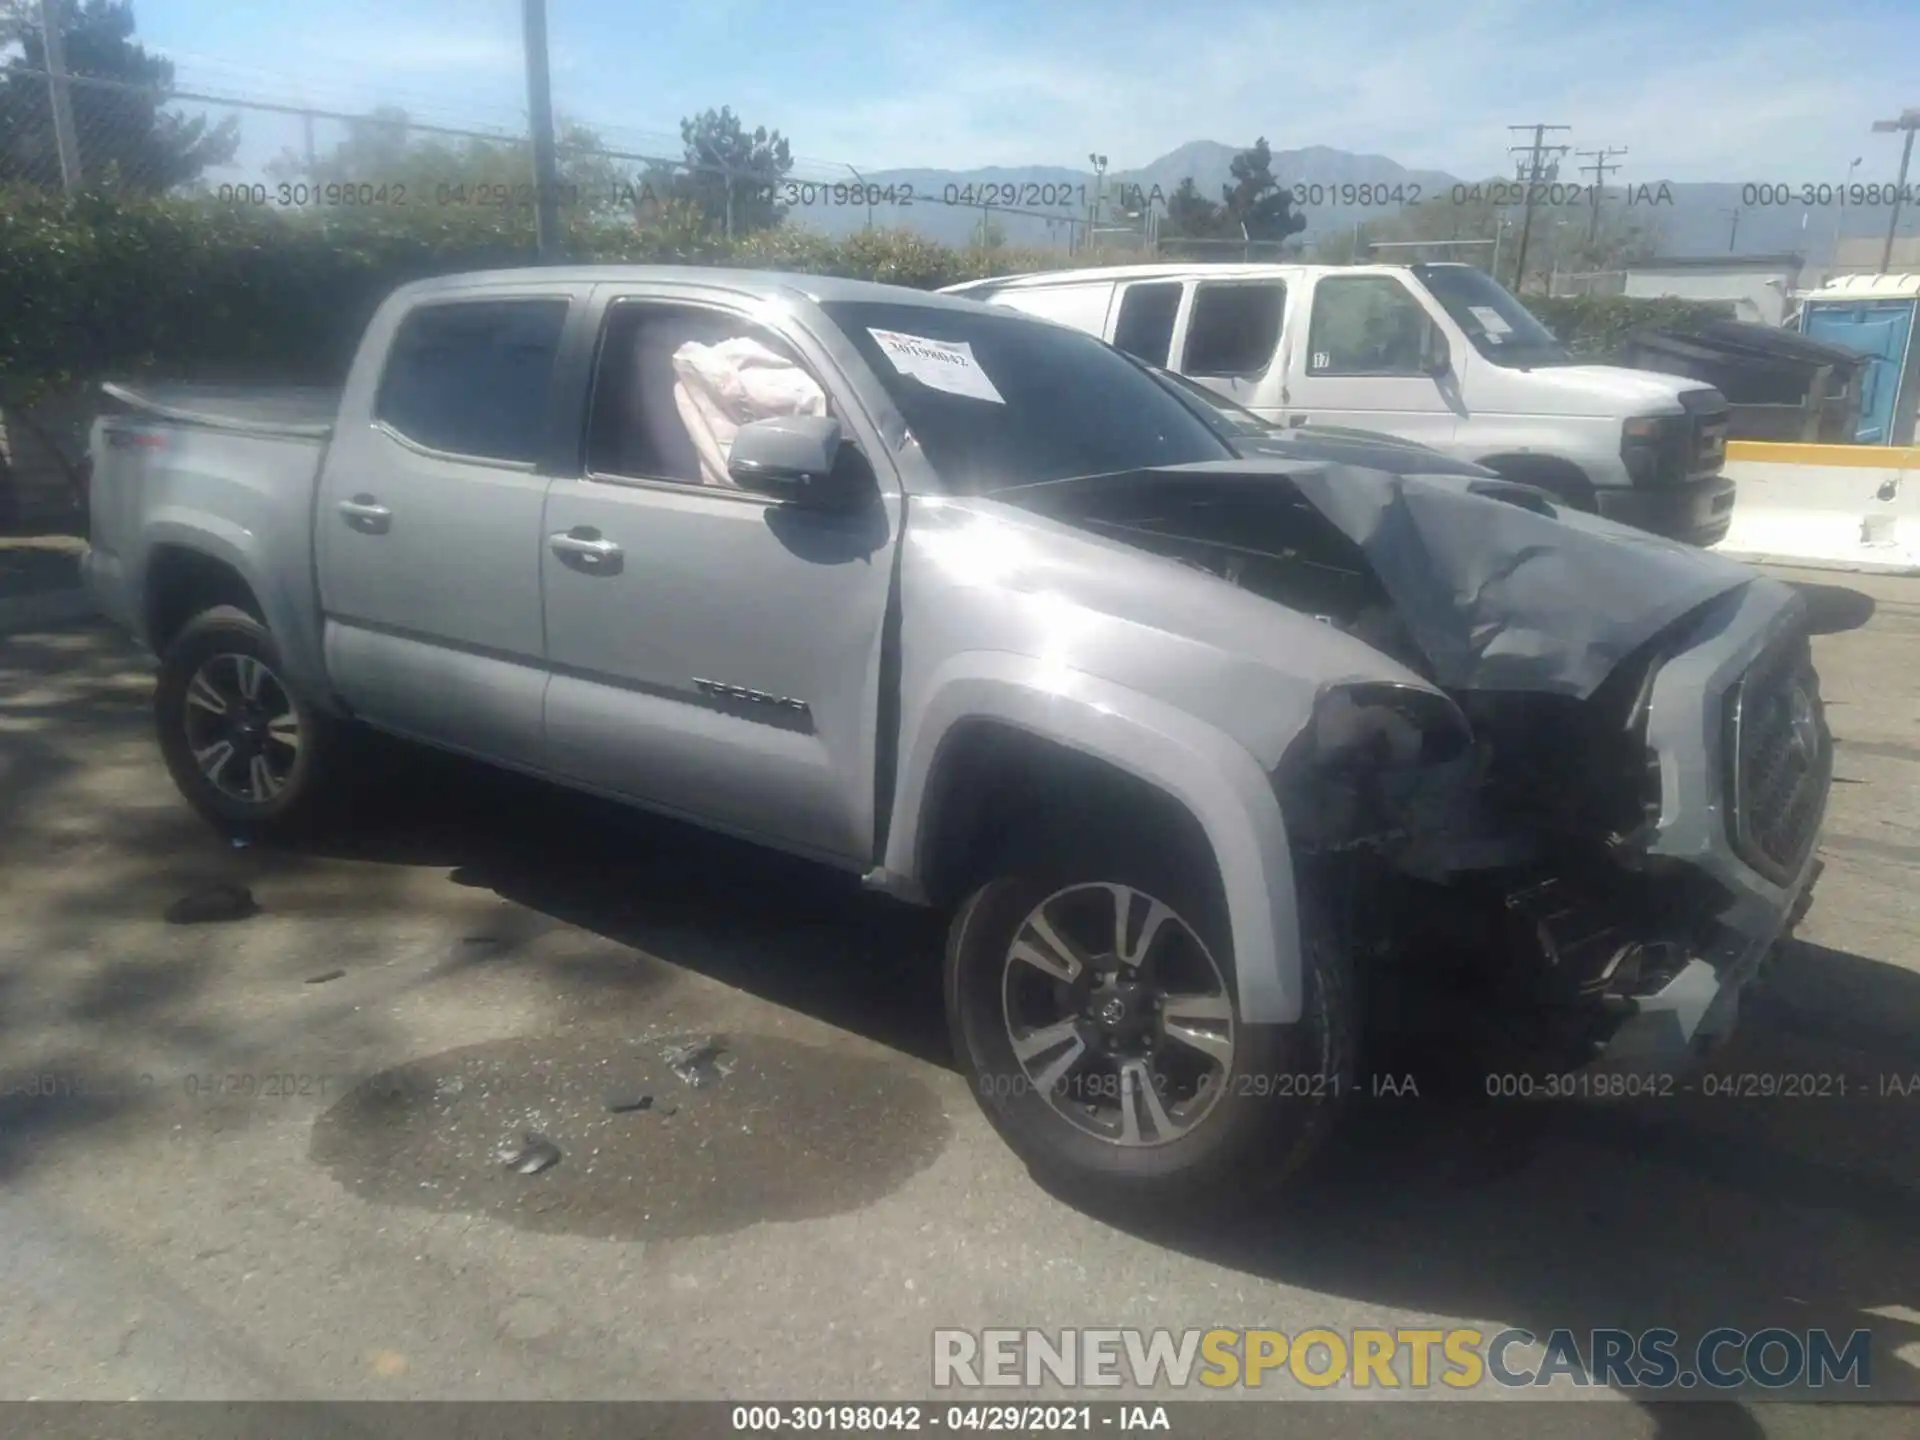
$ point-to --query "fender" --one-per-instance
(285, 604)
(1216, 778)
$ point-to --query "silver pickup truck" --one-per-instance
(1210, 755)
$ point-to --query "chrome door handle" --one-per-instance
(593, 547)
(366, 514)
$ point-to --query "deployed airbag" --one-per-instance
(719, 388)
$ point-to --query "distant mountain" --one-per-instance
(1031, 205)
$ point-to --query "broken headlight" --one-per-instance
(1384, 726)
(1376, 762)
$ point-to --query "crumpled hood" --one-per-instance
(1498, 595)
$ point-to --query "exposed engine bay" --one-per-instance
(1500, 839)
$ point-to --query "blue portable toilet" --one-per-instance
(1875, 315)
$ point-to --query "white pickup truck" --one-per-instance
(1441, 354)
(1199, 748)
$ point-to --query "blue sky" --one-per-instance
(1741, 90)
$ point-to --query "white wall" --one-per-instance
(1760, 296)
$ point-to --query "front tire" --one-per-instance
(1093, 1005)
(243, 746)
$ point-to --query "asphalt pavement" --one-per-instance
(262, 1156)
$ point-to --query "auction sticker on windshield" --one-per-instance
(1491, 320)
(943, 364)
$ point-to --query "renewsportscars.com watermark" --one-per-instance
(1363, 1359)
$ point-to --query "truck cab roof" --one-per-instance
(762, 284)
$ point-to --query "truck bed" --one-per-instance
(295, 411)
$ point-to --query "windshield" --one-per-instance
(997, 400)
(1500, 327)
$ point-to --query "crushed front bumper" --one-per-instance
(1702, 825)
(1697, 1009)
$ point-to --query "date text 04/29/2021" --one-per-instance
(912, 1419)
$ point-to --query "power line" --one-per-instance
(1533, 176)
(1599, 169)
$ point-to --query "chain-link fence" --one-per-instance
(256, 152)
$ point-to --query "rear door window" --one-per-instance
(1234, 330)
(1145, 326)
(473, 378)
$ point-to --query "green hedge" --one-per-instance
(96, 286)
(1596, 326)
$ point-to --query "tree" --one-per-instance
(1191, 216)
(128, 140)
(1255, 203)
(439, 171)
(730, 175)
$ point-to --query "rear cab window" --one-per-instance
(473, 378)
(1233, 332)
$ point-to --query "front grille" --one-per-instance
(1779, 758)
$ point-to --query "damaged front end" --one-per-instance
(1585, 843)
(1494, 863)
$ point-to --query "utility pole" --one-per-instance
(1735, 231)
(60, 96)
(1909, 121)
(1840, 221)
(546, 164)
(1099, 163)
(1600, 169)
(1532, 172)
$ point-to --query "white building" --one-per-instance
(1759, 288)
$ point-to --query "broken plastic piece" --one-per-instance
(324, 976)
(624, 1102)
(699, 1062)
(215, 903)
(533, 1154)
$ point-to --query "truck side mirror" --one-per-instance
(1436, 357)
(794, 458)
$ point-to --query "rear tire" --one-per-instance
(1274, 1090)
(243, 746)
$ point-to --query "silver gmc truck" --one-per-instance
(1214, 757)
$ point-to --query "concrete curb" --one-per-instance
(50, 607)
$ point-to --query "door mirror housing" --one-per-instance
(795, 459)
(1436, 356)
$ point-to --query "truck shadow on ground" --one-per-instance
(1832, 609)
(1689, 1211)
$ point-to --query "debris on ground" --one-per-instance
(700, 1062)
(530, 1155)
(324, 976)
(213, 904)
(239, 842)
(623, 1102)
